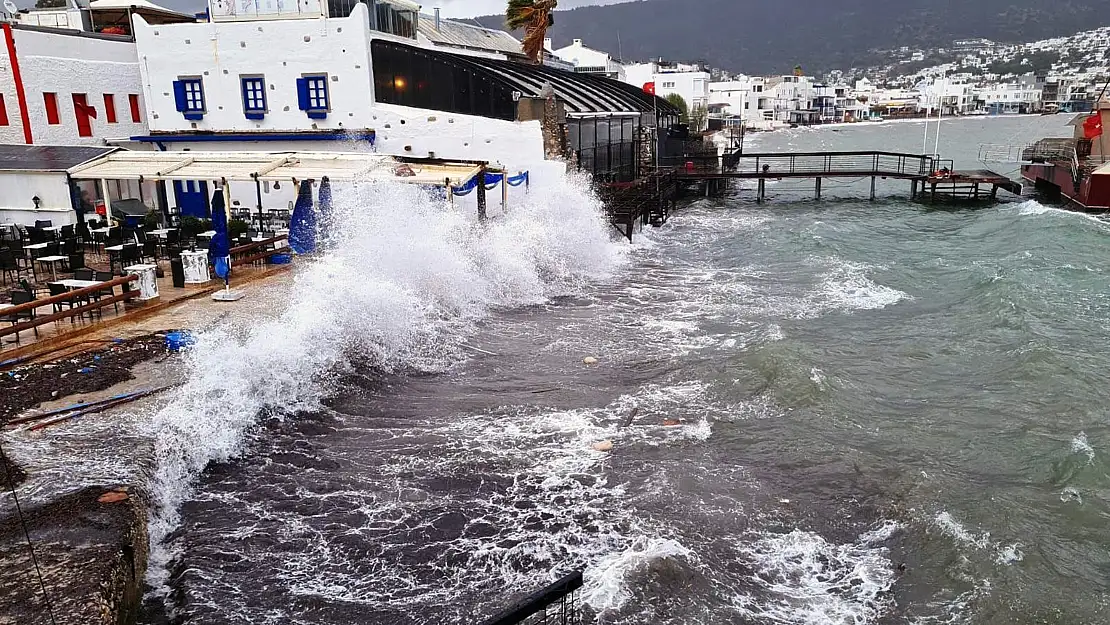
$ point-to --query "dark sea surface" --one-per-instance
(887, 413)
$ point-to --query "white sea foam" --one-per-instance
(1070, 494)
(954, 529)
(399, 290)
(1009, 554)
(807, 580)
(1032, 208)
(1080, 445)
(606, 586)
(846, 287)
(817, 376)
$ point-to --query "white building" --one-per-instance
(950, 97)
(792, 99)
(1024, 95)
(68, 87)
(687, 80)
(588, 61)
(335, 76)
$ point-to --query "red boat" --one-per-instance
(1078, 168)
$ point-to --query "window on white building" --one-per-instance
(189, 95)
(668, 85)
(254, 96)
(312, 95)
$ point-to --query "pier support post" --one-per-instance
(762, 191)
(934, 198)
(481, 189)
(913, 189)
(976, 190)
(818, 190)
(872, 187)
(994, 192)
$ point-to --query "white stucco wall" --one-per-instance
(279, 50)
(17, 189)
(66, 64)
(283, 50)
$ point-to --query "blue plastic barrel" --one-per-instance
(177, 341)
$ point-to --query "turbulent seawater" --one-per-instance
(886, 413)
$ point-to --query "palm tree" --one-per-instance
(535, 17)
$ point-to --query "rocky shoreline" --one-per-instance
(90, 539)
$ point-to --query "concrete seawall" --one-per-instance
(92, 551)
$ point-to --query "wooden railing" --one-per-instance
(71, 297)
(242, 255)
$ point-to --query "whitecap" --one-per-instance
(805, 579)
(1080, 445)
(606, 587)
(954, 529)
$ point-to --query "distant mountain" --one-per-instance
(773, 37)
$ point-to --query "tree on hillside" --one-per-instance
(535, 17)
(680, 103)
(50, 4)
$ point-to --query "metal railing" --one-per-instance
(258, 250)
(73, 297)
(812, 164)
(556, 604)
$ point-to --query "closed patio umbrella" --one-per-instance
(323, 203)
(219, 249)
(302, 226)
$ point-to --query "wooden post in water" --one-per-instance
(872, 187)
(762, 191)
(934, 199)
(976, 190)
(913, 189)
(818, 187)
(481, 189)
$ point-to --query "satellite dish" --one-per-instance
(10, 7)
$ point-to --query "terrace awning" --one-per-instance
(272, 166)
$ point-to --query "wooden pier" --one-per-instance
(931, 178)
(651, 198)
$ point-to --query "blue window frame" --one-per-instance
(189, 96)
(312, 95)
(254, 96)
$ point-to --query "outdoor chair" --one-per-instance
(76, 260)
(60, 289)
(150, 250)
(84, 273)
(106, 276)
(20, 297)
(43, 223)
(8, 265)
(68, 232)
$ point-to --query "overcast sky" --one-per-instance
(471, 8)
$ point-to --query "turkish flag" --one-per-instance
(649, 88)
(1092, 126)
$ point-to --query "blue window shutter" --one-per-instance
(302, 94)
(179, 95)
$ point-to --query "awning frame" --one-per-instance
(272, 166)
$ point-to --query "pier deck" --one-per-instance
(923, 171)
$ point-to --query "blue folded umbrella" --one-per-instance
(302, 227)
(219, 248)
(323, 203)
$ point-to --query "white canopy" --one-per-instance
(271, 166)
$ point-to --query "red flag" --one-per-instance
(649, 88)
(83, 108)
(1092, 126)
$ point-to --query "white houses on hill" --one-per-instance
(587, 60)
